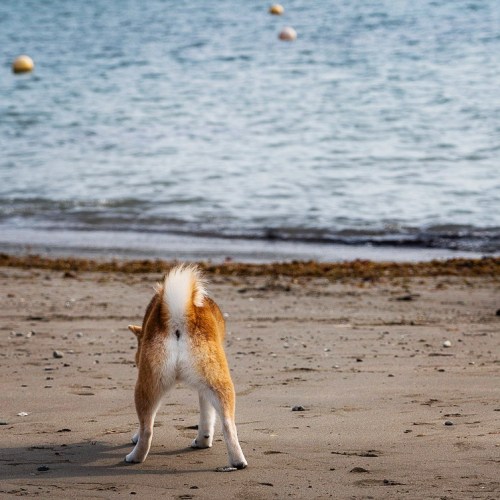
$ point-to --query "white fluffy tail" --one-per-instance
(184, 286)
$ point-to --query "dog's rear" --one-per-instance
(181, 339)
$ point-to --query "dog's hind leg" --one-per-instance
(147, 401)
(207, 423)
(223, 399)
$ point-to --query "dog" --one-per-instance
(181, 339)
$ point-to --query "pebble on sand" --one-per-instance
(57, 354)
(23, 64)
(288, 34)
(276, 9)
(359, 470)
(43, 468)
(298, 408)
(448, 422)
(446, 343)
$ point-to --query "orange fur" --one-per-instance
(184, 344)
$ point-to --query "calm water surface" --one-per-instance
(380, 124)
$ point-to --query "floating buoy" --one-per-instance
(288, 34)
(23, 64)
(276, 9)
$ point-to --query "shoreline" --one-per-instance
(133, 246)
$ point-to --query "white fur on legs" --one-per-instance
(135, 437)
(141, 449)
(206, 425)
(236, 457)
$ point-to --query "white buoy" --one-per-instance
(23, 64)
(288, 34)
(276, 9)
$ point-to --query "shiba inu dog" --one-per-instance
(181, 339)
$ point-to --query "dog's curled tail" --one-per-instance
(184, 287)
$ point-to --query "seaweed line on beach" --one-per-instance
(357, 269)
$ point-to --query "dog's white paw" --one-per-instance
(240, 465)
(230, 468)
(201, 443)
(132, 459)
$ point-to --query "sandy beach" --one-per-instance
(388, 410)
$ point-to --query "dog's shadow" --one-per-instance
(90, 458)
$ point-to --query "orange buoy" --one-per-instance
(276, 9)
(23, 64)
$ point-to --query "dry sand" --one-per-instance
(365, 359)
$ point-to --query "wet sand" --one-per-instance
(362, 354)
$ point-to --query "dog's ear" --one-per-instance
(136, 330)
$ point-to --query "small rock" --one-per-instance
(390, 482)
(359, 360)
(446, 343)
(406, 298)
(79, 335)
(23, 414)
(498, 312)
(298, 408)
(359, 470)
(57, 354)
(43, 468)
(448, 422)
(3, 422)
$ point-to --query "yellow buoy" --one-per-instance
(276, 9)
(288, 34)
(23, 64)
